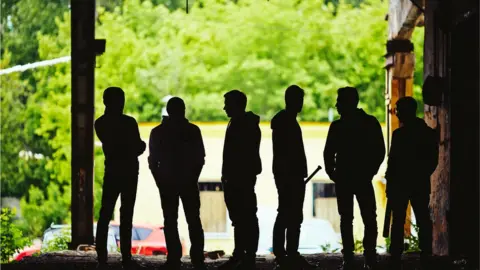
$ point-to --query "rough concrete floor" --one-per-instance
(71, 260)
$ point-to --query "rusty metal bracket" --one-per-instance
(398, 45)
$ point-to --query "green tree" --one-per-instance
(417, 40)
(12, 238)
(18, 36)
(41, 210)
(25, 154)
(154, 50)
(22, 160)
(11, 145)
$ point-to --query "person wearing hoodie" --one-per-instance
(121, 145)
(412, 159)
(241, 165)
(353, 154)
(289, 170)
(176, 159)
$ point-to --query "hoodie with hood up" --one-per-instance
(289, 157)
(413, 158)
(355, 148)
(176, 150)
(241, 151)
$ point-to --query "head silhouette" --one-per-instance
(294, 98)
(406, 109)
(347, 100)
(176, 108)
(114, 100)
(235, 103)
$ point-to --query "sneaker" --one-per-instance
(247, 264)
(199, 266)
(101, 265)
(280, 263)
(171, 265)
(395, 264)
(129, 264)
(299, 262)
(232, 263)
(347, 265)
(370, 263)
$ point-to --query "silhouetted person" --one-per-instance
(353, 154)
(121, 145)
(412, 159)
(289, 169)
(176, 159)
(241, 165)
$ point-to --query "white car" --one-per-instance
(314, 234)
(57, 230)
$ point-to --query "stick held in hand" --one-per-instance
(313, 174)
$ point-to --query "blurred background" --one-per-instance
(155, 49)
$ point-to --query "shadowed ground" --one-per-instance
(86, 260)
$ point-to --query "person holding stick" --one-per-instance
(290, 170)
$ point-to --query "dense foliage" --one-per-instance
(12, 239)
(155, 49)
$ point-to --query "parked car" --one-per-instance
(28, 251)
(315, 234)
(146, 239)
(55, 231)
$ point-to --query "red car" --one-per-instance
(146, 239)
(27, 251)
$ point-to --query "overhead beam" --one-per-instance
(403, 16)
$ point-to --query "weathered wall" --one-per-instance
(438, 118)
(451, 53)
(464, 183)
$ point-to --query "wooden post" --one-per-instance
(400, 67)
(83, 98)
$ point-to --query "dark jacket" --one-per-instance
(289, 157)
(241, 151)
(412, 159)
(121, 141)
(176, 151)
(355, 148)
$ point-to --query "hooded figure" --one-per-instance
(353, 153)
(412, 160)
(241, 155)
(290, 170)
(176, 160)
(121, 145)
(241, 165)
(177, 152)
